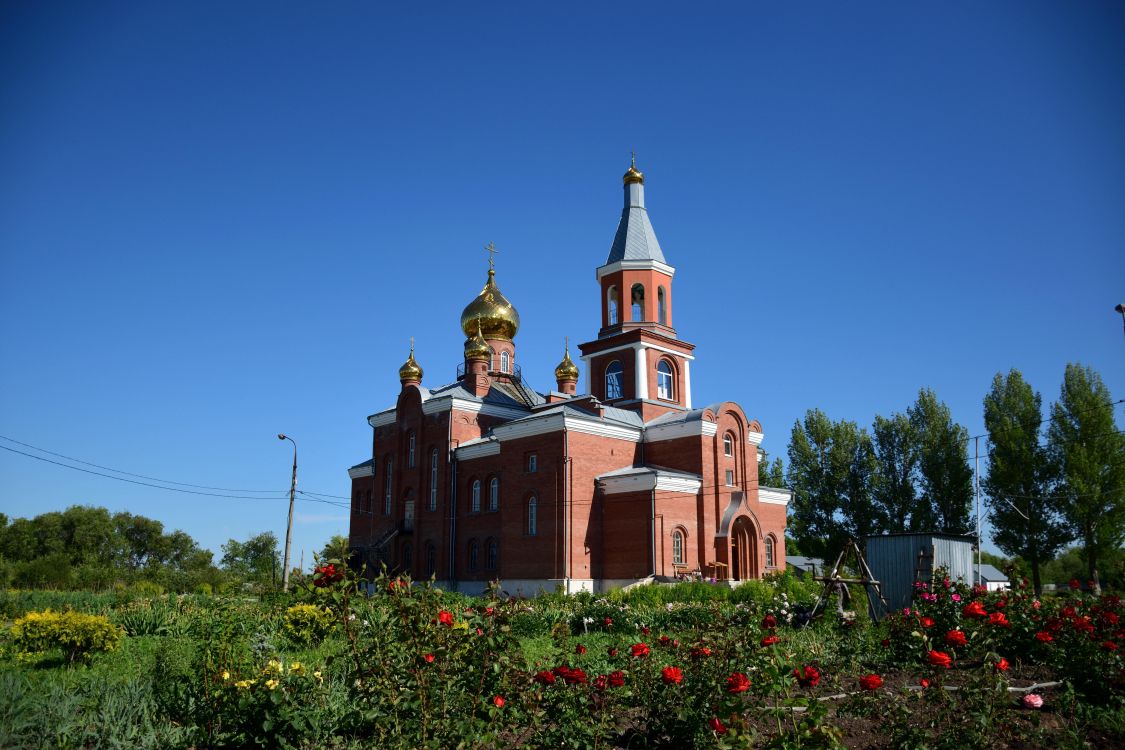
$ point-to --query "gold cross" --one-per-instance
(411, 346)
(634, 163)
(491, 250)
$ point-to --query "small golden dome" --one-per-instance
(566, 369)
(410, 369)
(633, 174)
(491, 314)
(476, 347)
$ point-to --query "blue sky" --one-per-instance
(220, 221)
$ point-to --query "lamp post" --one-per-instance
(289, 526)
(1121, 309)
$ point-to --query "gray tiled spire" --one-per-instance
(635, 239)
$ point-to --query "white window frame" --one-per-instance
(533, 516)
(505, 362)
(433, 479)
(665, 388)
(730, 478)
(410, 451)
(474, 504)
(532, 463)
(618, 380)
(728, 444)
(494, 494)
(677, 547)
(387, 499)
(770, 563)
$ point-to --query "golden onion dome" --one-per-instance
(491, 313)
(476, 347)
(633, 174)
(566, 369)
(410, 369)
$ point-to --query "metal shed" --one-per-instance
(898, 560)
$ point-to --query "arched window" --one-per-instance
(611, 306)
(661, 307)
(408, 512)
(728, 444)
(410, 452)
(505, 365)
(769, 552)
(431, 559)
(474, 554)
(387, 489)
(664, 380)
(678, 547)
(433, 479)
(494, 494)
(407, 557)
(474, 506)
(492, 555)
(533, 516)
(613, 378)
(637, 297)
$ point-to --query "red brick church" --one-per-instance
(628, 481)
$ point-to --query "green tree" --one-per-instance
(337, 548)
(945, 477)
(1088, 452)
(256, 560)
(896, 464)
(1026, 517)
(830, 470)
(771, 474)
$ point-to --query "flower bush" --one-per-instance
(77, 635)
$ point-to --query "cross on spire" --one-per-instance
(633, 161)
(490, 248)
(411, 346)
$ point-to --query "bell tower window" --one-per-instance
(638, 302)
(505, 363)
(611, 307)
(661, 307)
(613, 378)
(664, 380)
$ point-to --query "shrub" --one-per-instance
(78, 635)
(307, 623)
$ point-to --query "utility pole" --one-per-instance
(1121, 309)
(289, 527)
(976, 493)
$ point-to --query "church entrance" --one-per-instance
(744, 550)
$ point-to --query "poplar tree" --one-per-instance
(896, 463)
(1088, 452)
(945, 477)
(1025, 513)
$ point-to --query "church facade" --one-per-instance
(623, 482)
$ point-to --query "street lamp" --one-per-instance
(1121, 309)
(289, 527)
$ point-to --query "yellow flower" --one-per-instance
(318, 676)
(244, 684)
(296, 668)
(273, 666)
(226, 675)
(271, 684)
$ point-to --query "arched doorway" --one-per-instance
(744, 550)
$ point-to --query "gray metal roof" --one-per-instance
(659, 471)
(682, 416)
(991, 573)
(635, 239)
(368, 462)
(805, 563)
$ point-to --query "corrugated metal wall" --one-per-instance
(893, 560)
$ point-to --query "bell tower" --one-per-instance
(637, 362)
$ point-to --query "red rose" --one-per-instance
(672, 675)
(445, 617)
(999, 619)
(871, 682)
(574, 677)
(499, 701)
(646, 630)
(1109, 646)
(700, 652)
(974, 609)
(769, 640)
(429, 658)
(956, 638)
(617, 678)
(1002, 665)
(608, 622)
(640, 649)
(1075, 584)
(1044, 637)
(927, 622)
(885, 643)
(601, 681)
(1001, 603)
(579, 649)
(924, 683)
(807, 676)
(612, 652)
(738, 683)
(717, 726)
(939, 659)
(545, 678)
(665, 640)
(769, 621)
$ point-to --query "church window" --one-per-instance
(505, 365)
(730, 478)
(369, 505)
(678, 547)
(387, 489)
(407, 557)
(638, 302)
(613, 378)
(474, 554)
(433, 479)
(728, 445)
(533, 516)
(431, 559)
(661, 307)
(410, 452)
(611, 306)
(494, 494)
(475, 506)
(492, 555)
(532, 463)
(664, 380)
(769, 552)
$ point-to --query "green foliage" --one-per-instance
(945, 477)
(78, 635)
(307, 623)
(256, 560)
(896, 456)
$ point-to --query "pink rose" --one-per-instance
(1031, 700)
